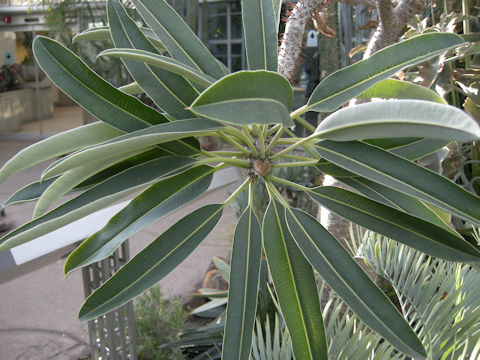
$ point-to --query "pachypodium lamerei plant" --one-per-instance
(370, 147)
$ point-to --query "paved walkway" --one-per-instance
(38, 310)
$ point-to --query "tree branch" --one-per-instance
(392, 21)
(291, 44)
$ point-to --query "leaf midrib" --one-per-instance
(289, 264)
(153, 17)
(383, 174)
(387, 221)
(123, 228)
(387, 122)
(380, 74)
(127, 36)
(152, 268)
(92, 91)
(345, 283)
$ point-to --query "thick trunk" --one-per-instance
(392, 21)
(291, 45)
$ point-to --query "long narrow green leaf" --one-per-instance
(151, 205)
(162, 62)
(103, 33)
(348, 280)
(413, 149)
(141, 139)
(102, 100)
(398, 200)
(247, 97)
(400, 118)
(402, 175)
(419, 148)
(131, 89)
(57, 145)
(30, 192)
(70, 179)
(96, 198)
(261, 38)
(395, 224)
(170, 92)
(397, 89)
(177, 37)
(243, 287)
(353, 80)
(153, 263)
(35, 190)
(295, 286)
(409, 148)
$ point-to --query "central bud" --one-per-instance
(262, 167)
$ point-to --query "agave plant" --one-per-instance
(135, 147)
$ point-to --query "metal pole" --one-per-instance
(37, 90)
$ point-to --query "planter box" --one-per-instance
(19, 106)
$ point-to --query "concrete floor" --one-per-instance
(65, 118)
(38, 310)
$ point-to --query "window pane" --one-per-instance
(217, 8)
(236, 26)
(235, 6)
(223, 59)
(218, 50)
(236, 63)
(236, 49)
(217, 27)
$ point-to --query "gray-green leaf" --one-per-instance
(247, 97)
(261, 38)
(153, 263)
(102, 100)
(295, 286)
(177, 37)
(96, 198)
(348, 280)
(155, 202)
(399, 118)
(402, 175)
(396, 224)
(353, 80)
(243, 287)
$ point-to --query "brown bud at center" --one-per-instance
(262, 167)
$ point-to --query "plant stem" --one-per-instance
(294, 164)
(312, 152)
(274, 140)
(265, 131)
(288, 183)
(291, 133)
(305, 124)
(273, 129)
(300, 111)
(239, 135)
(236, 192)
(288, 140)
(233, 142)
(248, 141)
(466, 27)
(273, 190)
(261, 139)
(294, 146)
(231, 161)
(222, 153)
(296, 157)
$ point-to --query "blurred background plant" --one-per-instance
(10, 77)
(158, 321)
